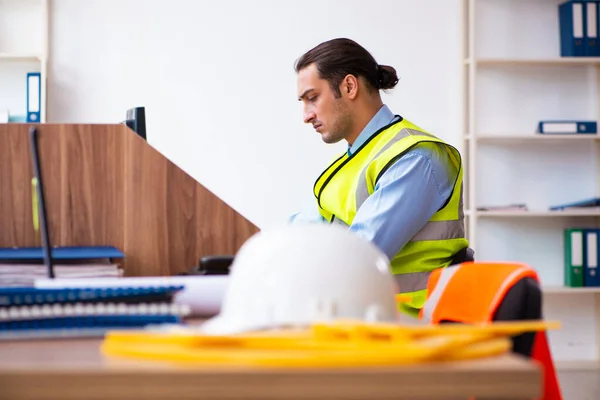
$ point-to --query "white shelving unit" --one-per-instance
(23, 48)
(514, 77)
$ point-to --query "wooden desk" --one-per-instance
(70, 369)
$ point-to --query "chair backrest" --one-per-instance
(522, 302)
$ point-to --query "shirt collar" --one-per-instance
(382, 118)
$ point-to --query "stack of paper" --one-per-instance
(27, 274)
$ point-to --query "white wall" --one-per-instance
(219, 87)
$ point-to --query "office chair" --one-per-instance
(213, 265)
(522, 302)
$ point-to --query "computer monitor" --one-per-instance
(136, 121)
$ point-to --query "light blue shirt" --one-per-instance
(406, 196)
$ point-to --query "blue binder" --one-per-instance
(590, 260)
(34, 96)
(565, 127)
(597, 19)
(591, 45)
(572, 26)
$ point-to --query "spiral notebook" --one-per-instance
(37, 312)
(45, 296)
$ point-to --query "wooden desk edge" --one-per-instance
(511, 377)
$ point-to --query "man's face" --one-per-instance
(330, 116)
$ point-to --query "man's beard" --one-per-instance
(342, 126)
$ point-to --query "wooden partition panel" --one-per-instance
(104, 185)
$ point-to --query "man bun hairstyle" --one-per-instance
(337, 58)
(387, 77)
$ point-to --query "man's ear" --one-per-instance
(349, 86)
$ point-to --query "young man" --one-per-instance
(397, 185)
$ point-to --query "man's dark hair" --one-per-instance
(337, 58)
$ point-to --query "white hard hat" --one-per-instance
(297, 275)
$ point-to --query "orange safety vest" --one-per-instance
(448, 288)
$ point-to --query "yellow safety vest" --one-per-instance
(343, 187)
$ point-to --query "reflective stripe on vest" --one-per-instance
(453, 291)
(412, 281)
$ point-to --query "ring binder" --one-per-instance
(53, 311)
(15, 296)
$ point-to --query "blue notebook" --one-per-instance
(60, 253)
(100, 321)
(61, 327)
(591, 202)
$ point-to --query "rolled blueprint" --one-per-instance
(203, 293)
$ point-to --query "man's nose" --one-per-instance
(308, 117)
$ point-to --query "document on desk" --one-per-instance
(203, 294)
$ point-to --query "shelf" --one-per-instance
(584, 365)
(517, 138)
(20, 57)
(505, 94)
(594, 61)
(594, 212)
(571, 290)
